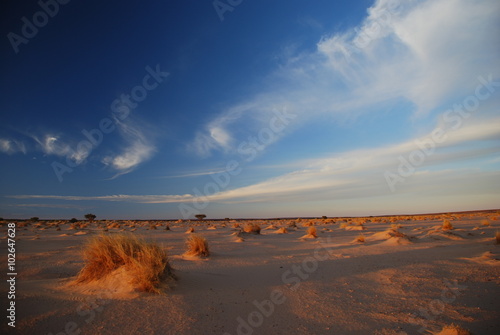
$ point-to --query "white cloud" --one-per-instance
(138, 149)
(355, 174)
(12, 146)
(426, 53)
(53, 145)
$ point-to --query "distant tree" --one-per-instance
(35, 219)
(1, 219)
(90, 217)
(324, 217)
(73, 220)
(200, 216)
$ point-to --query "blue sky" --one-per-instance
(167, 109)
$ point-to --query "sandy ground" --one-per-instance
(412, 280)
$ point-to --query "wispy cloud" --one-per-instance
(8, 146)
(357, 173)
(51, 144)
(425, 53)
(138, 149)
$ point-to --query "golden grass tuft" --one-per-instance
(197, 245)
(395, 226)
(311, 231)
(497, 237)
(147, 263)
(253, 228)
(447, 225)
(453, 330)
(360, 238)
(486, 223)
(190, 230)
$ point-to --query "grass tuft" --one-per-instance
(497, 237)
(360, 238)
(311, 231)
(197, 245)
(146, 262)
(253, 228)
(486, 223)
(447, 225)
(454, 330)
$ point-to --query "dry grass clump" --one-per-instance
(282, 230)
(343, 225)
(190, 230)
(447, 225)
(486, 223)
(236, 225)
(308, 224)
(114, 225)
(453, 330)
(360, 238)
(311, 231)
(197, 245)
(146, 262)
(396, 226)
(253, 228)
(497, 237)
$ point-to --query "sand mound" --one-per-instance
(282, 230)
(355, 228)
(444, 234)
(488, 258)
(116, 285)
(391, 237)
(271, 227)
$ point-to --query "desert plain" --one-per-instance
(389, 275)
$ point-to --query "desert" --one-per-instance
(411, 274)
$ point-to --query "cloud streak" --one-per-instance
(138, 149)
(425, 53)
(357, 173)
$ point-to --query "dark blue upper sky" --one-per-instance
(360, 81)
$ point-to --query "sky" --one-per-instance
(248, 109)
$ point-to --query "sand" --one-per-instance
(415, 279)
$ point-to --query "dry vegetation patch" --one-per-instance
(197, 245)
(146, 263)
(454, 330)
(252, 228)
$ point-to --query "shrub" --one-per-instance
(395, 226)
(447, 225)
(197, 245)
(91, 217)
(453, 330)
(146, 262)
(253, 228)
(311, 231)
(360, 238)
